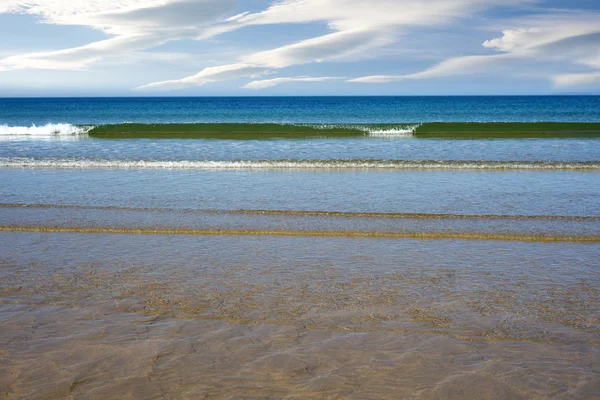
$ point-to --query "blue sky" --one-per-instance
(298, 47)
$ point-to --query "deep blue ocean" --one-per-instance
(40, 111)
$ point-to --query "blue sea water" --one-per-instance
(40, 111)
(535, 176)
(486, 250)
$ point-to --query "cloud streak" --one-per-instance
(134, 25)
(564, 46)
(571, 38)
(357, 26)
(208, 75)
(571, 80)
(267, 83)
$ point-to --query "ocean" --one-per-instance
(377, 247)
(331, 110)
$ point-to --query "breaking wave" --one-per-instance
(339, 164)
(390, 131)
(274, 130)
(48, 130)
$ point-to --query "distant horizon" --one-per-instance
(66, 113)
(288, 96)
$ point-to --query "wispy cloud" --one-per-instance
(81, 57)
(208, 75)
(583, 79)
(571, 38)
(134, 25)
(267, 83)
(358, 27)
(563, 45)
(449, 67)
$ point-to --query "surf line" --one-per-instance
(302, 164)
(249, 232)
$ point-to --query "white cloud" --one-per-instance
(584, 79)
(572, 38)
(136, 25)
(80, 57)
(207, 75)
(566, 43)
(327, 47)
(545, 29)
(6, 6)
(124, 17)
(449, 67)
(321, 48)
(266, 83)
(358, 26)
(359, 14)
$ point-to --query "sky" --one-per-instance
(298, 47)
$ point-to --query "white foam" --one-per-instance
(404, 131)
(343, 164)
(400, 131)
(48, 130)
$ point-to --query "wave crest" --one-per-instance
(373, 131)
(48, 130)
(401, 131)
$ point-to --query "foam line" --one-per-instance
(48, 130)
(340, 164)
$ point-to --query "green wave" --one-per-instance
(222, 131)
(446, 130)
(502, 130)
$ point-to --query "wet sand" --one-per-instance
(89, 352)
(162, 316)
(88, 219)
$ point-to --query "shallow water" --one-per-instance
(323, 268)
(145, 356)
(297, 223)
(314, 149)
(446, 192)
(270, 316)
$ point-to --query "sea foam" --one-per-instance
(48, 130)
(401, 131)
(340, 164)
(373, 131)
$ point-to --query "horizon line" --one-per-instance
(301, 96)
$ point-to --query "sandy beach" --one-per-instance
(138, 316)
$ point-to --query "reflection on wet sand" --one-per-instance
(92, 353)
(160, 316)
(431, 300)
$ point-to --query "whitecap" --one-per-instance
(44, 131)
